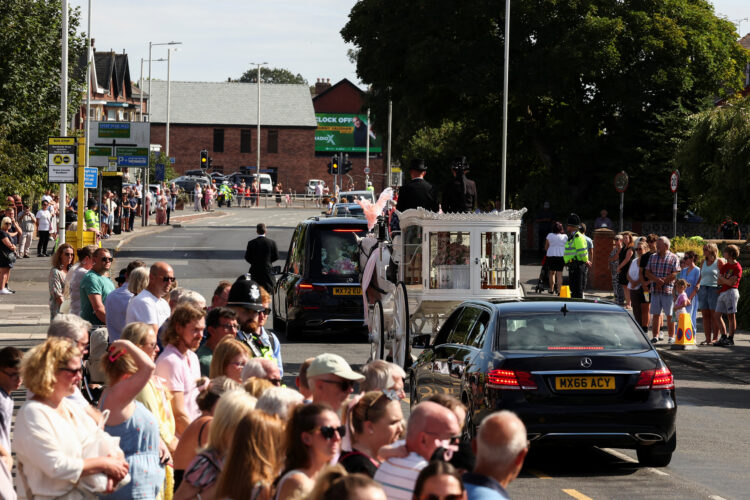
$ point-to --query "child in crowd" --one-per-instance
(729, 295)
(681, 299)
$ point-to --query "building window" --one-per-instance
(245, 141)
(218, 140)
(111, 115)
(273, 141)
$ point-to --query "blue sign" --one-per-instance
(171, 160)
(159, 172)
(90, 176)
(132, 161)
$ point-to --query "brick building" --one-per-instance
(341, 102)
(222, 118)
(113, 96)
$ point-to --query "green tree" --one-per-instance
(30, 88)
(272, 75)
(596, 86)
(714, 161)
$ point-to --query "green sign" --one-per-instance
(344, 132)
(114, 130)
(100, 151)
(129, 151)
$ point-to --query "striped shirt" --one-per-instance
(662, 267)
(398, 475)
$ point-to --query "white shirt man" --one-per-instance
(148, 306)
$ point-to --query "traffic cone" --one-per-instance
(685, 338)
(564, 292)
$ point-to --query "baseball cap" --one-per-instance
(245, 293)
(333, 364)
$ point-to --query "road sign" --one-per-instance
(121, 139)
(132, 161)
(171, 160)
(61, 159)
(367, 170)
(90, 176)
(159, 172)
(674, 180)
(621, 182)
(112, 167)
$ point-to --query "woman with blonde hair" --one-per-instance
(229, 358)
(128, 369)
(203, 472)
(155, 397)
(7, 254)
(138, 280)
(51, 432)
(256, 386)
(195, 437)
(254, 458)
(708, 293)
(62, 261)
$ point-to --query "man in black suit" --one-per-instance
(460, 193)
(260, 254)
(417, 192)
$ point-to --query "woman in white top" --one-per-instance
(51, 433)
(313, 438)
(555, 248)
(708, 292)
(197, 196)
(637, 297)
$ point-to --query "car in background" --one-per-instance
(576, 372)
(310, 186)
(347, 210)
(187, 183)
(198, 173)
(319, 287)
(351, 196)
(218, 177)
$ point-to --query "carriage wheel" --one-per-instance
(377, 333)
(401, 331)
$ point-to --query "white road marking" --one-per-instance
(657, 471)
(620, 455)
(716, 497)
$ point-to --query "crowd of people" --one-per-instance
(143, 389)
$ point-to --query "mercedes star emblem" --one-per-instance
(586, 362)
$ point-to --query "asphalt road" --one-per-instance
(711, 461)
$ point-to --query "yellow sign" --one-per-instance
(61, 141)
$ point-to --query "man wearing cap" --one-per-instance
(331, 379)
(417, 192)
(576, 256)
(460, 193)
(246, 301)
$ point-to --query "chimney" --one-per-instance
(322, 85)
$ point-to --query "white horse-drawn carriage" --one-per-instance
(411, 282)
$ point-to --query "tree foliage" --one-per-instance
(714, 161)
(596, 87)
(272, 75)
(30, 88)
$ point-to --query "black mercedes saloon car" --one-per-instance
(575, 371)
(319, 286)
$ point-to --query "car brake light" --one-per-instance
(348, 230)
(656, 379)
(511, 379)
(303, 287)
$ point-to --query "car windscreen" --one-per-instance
(570, 331)
(334, 254)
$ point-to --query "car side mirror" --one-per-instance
(421, 341)
(276, 269)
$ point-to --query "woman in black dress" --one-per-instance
(627, 252)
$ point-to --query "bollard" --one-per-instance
(685, 338)
(565, 292)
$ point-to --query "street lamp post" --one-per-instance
(150, 105)
(169, 88)
(64, 103)
(257, 167)
(140, 86)
(505, 103)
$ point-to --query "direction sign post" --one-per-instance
(621, 184)
(61, 160)
(674, 180)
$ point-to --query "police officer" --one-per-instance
(576, 256)
(417, 192)
(460, 193)
(246, 301)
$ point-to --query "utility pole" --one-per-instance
(64, 103)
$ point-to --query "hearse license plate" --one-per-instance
(347, 290)
(587, 383)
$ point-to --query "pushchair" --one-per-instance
(543, 277)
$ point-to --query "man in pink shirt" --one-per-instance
(179, 365)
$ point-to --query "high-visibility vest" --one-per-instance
(91, 219)
(576, 249)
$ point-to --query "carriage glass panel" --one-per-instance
(449, 259)
(497, 259)
(412, 259)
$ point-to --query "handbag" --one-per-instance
(11, 256)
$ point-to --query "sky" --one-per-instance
(220, 38)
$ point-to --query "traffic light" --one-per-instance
(347, 166)
(204, 159)
(333, 167)
(209, 162)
